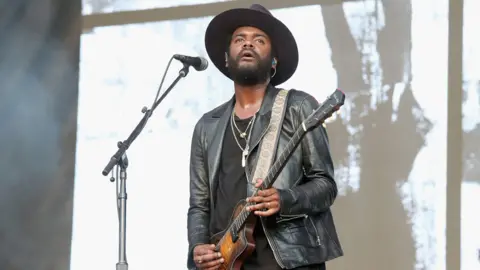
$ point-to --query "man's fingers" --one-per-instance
(267, 192)
(269, 201)
(271, 198)
(203, 259)
(203, 249)
(211, 264)
(200, 252)
(264, 205)
(270, 194)
(256, 199)
(204, 254)
(267, 213)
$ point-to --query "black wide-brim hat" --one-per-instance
(223, 25)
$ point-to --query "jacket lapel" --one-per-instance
(215, 150)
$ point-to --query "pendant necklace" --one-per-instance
(242, 135)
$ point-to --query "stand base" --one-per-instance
(122, 266)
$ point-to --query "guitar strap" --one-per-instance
(269, 142)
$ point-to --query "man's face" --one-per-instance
(250, 56)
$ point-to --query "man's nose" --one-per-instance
(247, 44)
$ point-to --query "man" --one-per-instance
(295, 229)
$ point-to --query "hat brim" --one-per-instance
(223, 25)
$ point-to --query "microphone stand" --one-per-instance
(120, 160)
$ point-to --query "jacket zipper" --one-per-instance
(284, 218)
(293, 216)
(316, 232)
(274, 247)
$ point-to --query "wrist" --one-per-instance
(285, 201)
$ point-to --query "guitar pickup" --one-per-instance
(234, 235)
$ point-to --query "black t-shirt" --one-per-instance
(232, 187)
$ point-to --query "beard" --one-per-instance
(249, 73)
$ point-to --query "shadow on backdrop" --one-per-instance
(39, 52)
(376, 230)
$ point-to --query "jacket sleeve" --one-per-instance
(318, 190)
(199, 211)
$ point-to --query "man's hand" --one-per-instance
(266, 199)
(206, 258)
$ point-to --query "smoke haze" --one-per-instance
(38, 75)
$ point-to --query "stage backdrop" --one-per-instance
(39, 54)
(471, 138)
(389, 143)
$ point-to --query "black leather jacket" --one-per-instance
(303, 232)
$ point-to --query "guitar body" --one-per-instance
(236, 249)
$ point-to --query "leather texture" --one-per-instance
(303, 232)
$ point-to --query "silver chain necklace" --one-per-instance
(243, 135)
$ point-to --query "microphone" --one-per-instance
(198, 63)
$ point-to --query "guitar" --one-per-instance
(236, 242)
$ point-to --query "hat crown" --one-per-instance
(258, 7)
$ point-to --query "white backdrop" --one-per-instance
(121, 67)
(470, 239)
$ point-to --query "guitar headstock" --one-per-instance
(325, 110)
